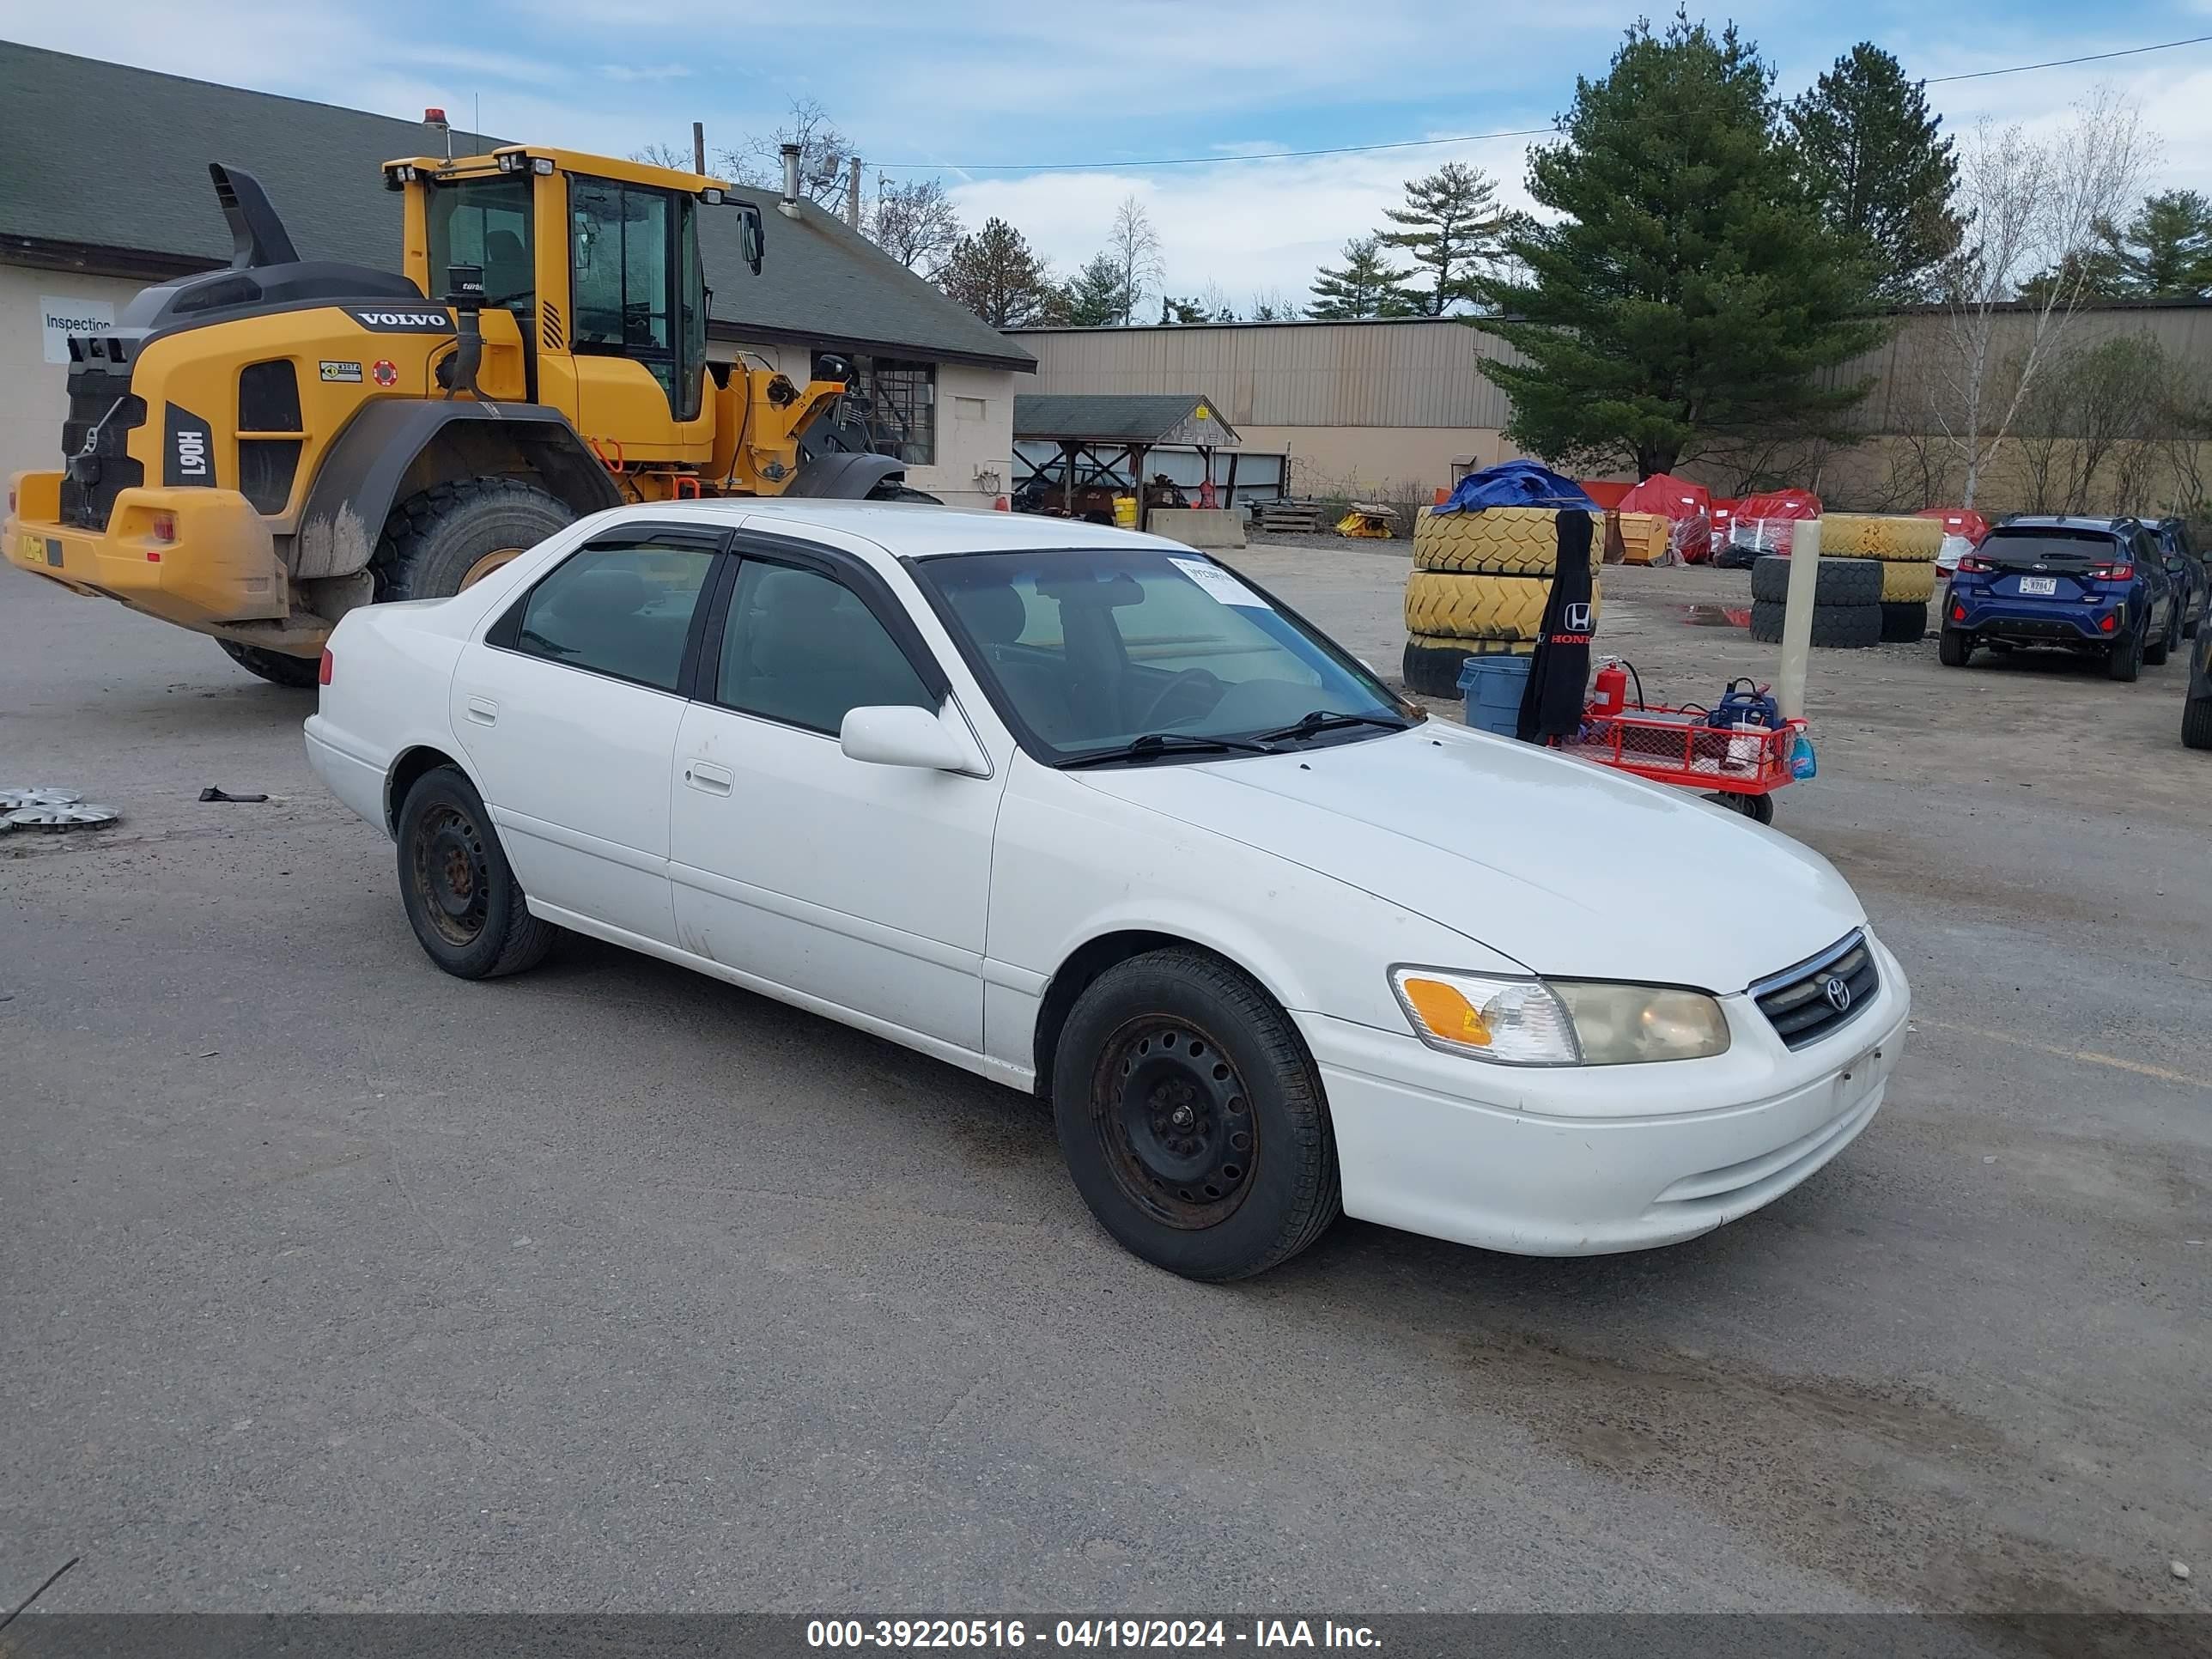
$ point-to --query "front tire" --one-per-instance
(1192, 1118)
(437, 543)
(296, 674)
(461, 897)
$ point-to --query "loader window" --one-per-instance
(634, 253)
(486, 222)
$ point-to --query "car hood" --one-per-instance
(1567, 868)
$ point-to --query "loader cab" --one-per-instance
(599, 262)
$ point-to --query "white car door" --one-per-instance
(568, 707)
(865, 885)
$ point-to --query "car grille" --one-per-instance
(1798, 1002)
(101, 410)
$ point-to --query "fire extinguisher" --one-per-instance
(1612, 688)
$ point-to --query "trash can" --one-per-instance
(1493, 686)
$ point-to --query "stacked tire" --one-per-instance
(1478, 587)
(1847, 605)
(1906, 548)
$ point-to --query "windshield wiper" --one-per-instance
(1328, 720)
(1154, 744)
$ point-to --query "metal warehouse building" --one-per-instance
(106, 190)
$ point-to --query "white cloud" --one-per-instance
(644, 72)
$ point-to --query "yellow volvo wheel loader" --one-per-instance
(254, 451)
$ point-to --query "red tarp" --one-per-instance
(1959, 521)
(1762, 522)
(1607, 495)
(1689, 506)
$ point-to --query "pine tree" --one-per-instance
(1687, 295)
(2166, 252)
(1095, 297)
(1365, 285)
(1873, 159)
(1453, 227)
(995, 275)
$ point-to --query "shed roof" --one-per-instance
(108, 171)
(1122, 418)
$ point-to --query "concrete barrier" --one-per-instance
(1197, 526)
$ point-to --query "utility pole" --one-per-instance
(698, 147)
(853, 196)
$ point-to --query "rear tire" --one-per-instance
(461, 897)
(2196, 723)
(298, 673)
(1954, 647)
(1192, 1118)
(434, 540)
(2125, 659)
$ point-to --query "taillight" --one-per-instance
(323, 670)
(2112, 573)
(164, 527)
(1971, 566)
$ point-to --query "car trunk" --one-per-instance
(2049, 567)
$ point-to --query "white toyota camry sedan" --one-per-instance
(1085, 813)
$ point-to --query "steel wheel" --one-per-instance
(452, 875)
(1176, 1122)
(484, 566)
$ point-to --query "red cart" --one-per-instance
(1741, 766)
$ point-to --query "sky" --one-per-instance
(948, 89)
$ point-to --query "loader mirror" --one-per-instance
(752, 235)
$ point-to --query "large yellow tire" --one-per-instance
(1901, 584)
(1506, 609)
(1890, 538)
(1498, 541)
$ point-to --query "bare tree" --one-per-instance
(821, 153)
(1272, 304)
(915, 225)
(1134, 248)
(2032, 206)
(1213, 300)
(664, 155)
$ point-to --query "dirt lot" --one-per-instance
(333, 1283)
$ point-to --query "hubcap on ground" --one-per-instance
(1175, 1122)
(486, 565)
(452, 876)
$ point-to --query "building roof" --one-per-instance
(107, 171)
(1121, 418)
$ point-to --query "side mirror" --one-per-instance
(753, 238)
(901, 735)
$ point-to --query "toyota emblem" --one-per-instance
(1838, 994)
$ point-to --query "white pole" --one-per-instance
(1798, 617)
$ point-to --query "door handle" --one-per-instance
(484, 711)
(709, 778)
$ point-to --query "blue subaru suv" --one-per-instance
(2097, 585)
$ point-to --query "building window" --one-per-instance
(902, 414)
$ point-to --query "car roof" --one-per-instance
(905, 529)
(2063, 521)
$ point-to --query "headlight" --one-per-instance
(1529, 1022)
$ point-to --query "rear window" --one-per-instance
(2041, 546)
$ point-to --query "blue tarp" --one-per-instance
(1515, 483)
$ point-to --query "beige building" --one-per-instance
(1396, 407)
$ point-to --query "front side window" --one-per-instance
(804, 649)
(621, 608)
(487, 223)
(1091, 649)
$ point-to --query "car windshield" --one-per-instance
(2056, 547)
(1091, 650)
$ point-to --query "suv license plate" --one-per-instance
(2039, 584)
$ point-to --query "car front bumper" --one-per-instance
(1588, 1160)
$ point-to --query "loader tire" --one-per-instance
(1840, 582)
(1432, 665)
(1836, 627)
(1904, 623)
(1498, 541)
(1903, 583)
(299, 673)
(1505, 610)
(436, 543)
(1886, 536)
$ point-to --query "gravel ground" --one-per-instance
(334, 1284)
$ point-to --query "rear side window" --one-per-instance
(622, 609)
(803, 649)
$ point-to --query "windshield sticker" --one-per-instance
(1220, 583)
